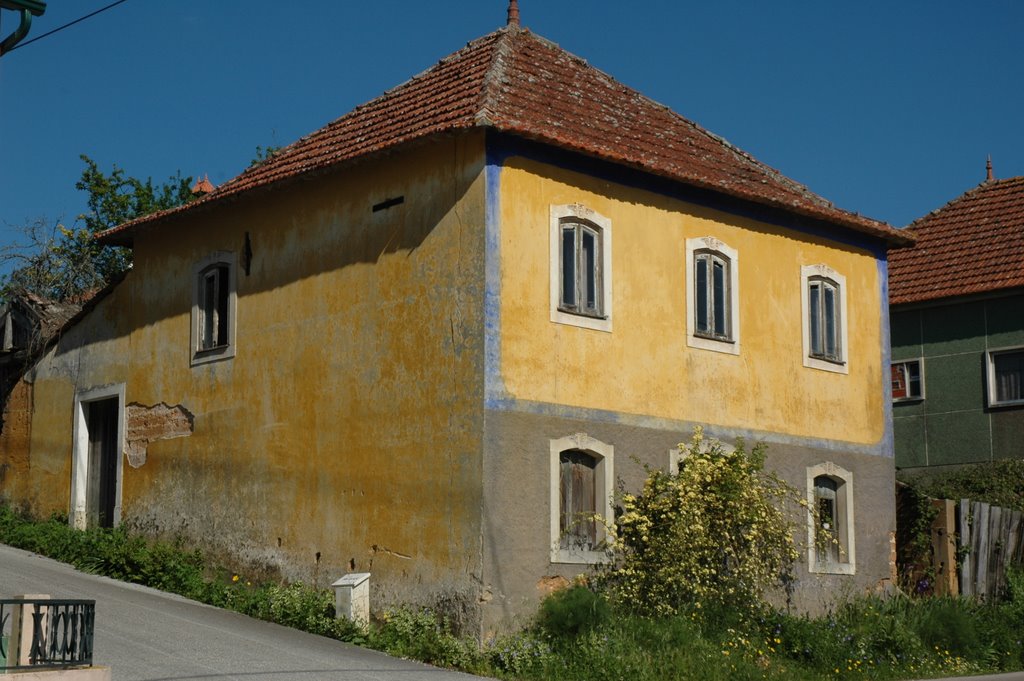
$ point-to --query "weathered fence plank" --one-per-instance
(979, 547)
(964, 531)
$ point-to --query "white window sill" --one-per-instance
(834, 569)
(582, 320)
(728, 347)
(826, 365)
(213, 355)
(579, 557)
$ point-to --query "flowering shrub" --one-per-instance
(717, 533)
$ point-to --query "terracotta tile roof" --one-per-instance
(203, 186)
(516, 82)
(973, 244)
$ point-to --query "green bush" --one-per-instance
(422, 635)
(567, 613)
(520, 655)
(714, 536)
(949, 624)
(1000, 483)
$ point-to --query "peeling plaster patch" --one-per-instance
(148, 424)
(548, 585)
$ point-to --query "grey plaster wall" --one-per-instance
(518, 570)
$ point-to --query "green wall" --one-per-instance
(952, 424)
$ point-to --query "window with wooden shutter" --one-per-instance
(578, 493)
(214, 301)
(831, 535)
(581, 493)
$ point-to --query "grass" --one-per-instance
(578, 635)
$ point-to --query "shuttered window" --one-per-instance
(581, 263)
(214, 306)
(711, 288)
(213, 313)
(827, 539)
(578, 495)
(824, 319)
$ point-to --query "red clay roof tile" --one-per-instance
(516, 82)
(973, 244)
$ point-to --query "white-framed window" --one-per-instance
(581, 267)
(582, 472)
(213, 308)
(830, 522)
(712, 302)
(823, 302)
(1005, 377)
(907, 380)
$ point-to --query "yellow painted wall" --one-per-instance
(345, 433)
(645, 366)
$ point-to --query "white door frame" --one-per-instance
(80, 452)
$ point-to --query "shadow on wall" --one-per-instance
(335, 221)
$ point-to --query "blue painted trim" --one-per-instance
(493, 383)
(888, 437)
(502, 146)
(684, 428)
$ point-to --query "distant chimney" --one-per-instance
(513, 13)
(203, 186)
(988, 169)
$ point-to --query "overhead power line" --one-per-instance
(72, 23)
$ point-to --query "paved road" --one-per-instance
(147, 635)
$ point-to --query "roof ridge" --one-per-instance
(971, 193)
(495, 71)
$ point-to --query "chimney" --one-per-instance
(988, 169)
(513, 13)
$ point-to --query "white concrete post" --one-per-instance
(20, 644)
(352, 597)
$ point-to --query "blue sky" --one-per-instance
(885, 108)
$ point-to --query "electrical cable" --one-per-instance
(61, 28)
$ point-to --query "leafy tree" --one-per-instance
(63, 263)
(113, 200)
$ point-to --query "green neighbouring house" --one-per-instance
(957, 331)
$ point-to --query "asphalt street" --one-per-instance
(147, 635)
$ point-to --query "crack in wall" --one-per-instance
(147, 424)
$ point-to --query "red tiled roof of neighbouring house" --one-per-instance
(516, 82)
(203, 186)
(973, 244)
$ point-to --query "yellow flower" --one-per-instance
(234, 578)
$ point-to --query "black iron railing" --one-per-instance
(46, 633)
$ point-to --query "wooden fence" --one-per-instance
(990, 539)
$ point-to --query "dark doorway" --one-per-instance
(101, 490)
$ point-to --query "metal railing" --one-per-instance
(43, 633)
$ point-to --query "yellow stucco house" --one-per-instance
(418, 340)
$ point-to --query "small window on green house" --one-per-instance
(907, 382)
(1006, 377)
